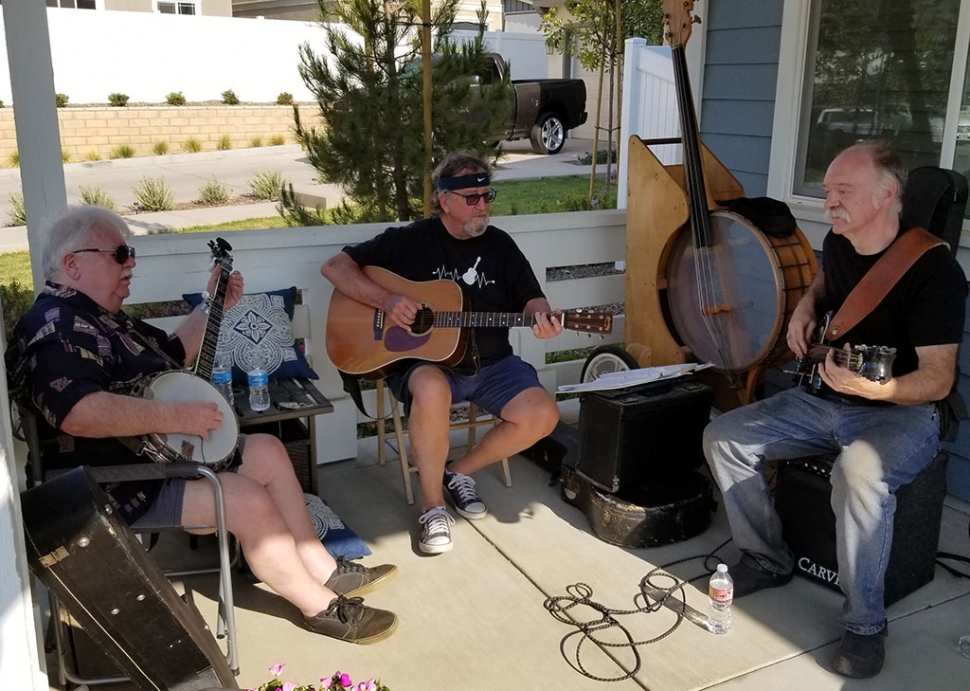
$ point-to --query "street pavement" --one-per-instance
(184, 174)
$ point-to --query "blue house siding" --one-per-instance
(738, 98)
(958, 470)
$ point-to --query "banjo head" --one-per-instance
(176, 386)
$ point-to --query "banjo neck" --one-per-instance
(210, 339)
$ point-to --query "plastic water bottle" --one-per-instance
(222, 378)
(964, 644)
(721, 593)
(258, 388)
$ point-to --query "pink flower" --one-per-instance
(289, 686)
(346, 680)
(277, 668)
(368, 685)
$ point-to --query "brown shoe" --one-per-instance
(351, 579)
(349, 619)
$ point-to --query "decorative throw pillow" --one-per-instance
(335, 535)
(258, 330)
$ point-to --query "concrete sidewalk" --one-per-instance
(185, 173)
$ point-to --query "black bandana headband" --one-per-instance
(462, 182)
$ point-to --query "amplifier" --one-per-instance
(802, 499)
(633, 437)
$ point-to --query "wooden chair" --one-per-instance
(471, 424)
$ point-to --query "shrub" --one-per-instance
(13, 160)
(256, 142)
(96, 196)
(175, 99)
(92, 156)
(118, 100)
(153, 194)
(192, 145)
(229, 97)
(587, 158)
(284, 99)
(17, 213)
(160, 148)
(213, 193)
(266, 185)
(1, 105)
(225, 143)
(277, 140)
(16, 298)
(60, 100)
(122, 151)
(65, 156)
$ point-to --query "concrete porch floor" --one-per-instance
(473, 619)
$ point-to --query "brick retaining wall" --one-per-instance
(100, 129)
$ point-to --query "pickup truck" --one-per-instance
(544, 110)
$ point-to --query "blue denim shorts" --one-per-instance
(490, 389)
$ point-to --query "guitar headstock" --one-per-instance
(220, 253)
(588, 321)
(680, 21)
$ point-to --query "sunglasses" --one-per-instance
(121, 253)
(473, 199)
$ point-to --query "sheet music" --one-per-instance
(634, 377)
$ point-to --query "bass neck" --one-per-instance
(690, 141)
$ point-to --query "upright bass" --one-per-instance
(703, 283)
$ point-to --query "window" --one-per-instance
(73, 4)
(877, 69)
(165, 7)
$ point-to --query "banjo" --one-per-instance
(217, 450)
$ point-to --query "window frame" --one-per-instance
(197, 4)
(798, 30)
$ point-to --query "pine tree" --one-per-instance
(368, 88)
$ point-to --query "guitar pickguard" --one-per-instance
(398, 340)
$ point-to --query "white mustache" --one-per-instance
(126, 274)
(838, 212)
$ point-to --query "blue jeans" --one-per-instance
(879, 449)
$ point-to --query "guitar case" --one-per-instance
(935, 199)
(92, 563)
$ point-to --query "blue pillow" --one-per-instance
(335, 535)
(258, 330)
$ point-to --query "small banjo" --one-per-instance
(217, 450)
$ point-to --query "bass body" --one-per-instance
(362, 341)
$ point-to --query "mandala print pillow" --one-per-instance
(258, 330)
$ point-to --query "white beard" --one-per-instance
(475, 226)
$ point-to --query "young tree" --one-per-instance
(368, 88)
(594, 31)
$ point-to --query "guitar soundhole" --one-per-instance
(423, 321)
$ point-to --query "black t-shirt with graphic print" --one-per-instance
(925, 308)
(491, 270)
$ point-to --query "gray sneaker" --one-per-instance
(436, 525)
(460, 491)
(351, 579)
(349, 619)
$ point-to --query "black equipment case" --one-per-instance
(93, 564)
(803, 500)
(935, 199)
(638, 435)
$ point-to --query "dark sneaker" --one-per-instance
(860, 657)
(352, 579)
(460, 491)
(749, 577)
(436, 525)
(349, 619)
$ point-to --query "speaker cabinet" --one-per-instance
(802, 499)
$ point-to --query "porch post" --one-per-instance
(35, 114)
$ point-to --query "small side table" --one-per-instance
(290, 400)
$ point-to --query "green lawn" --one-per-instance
(528, 196)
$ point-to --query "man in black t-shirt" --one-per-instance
(458, 244)
(884, 434)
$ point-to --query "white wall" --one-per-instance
(147, 56)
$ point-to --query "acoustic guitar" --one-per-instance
(362, 341)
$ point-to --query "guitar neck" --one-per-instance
(843, 358)
(210, 340)
(482, 319)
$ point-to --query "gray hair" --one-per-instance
(889, 166)
(70, 228)
(450, 166)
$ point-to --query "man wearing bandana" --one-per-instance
(457, 243)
